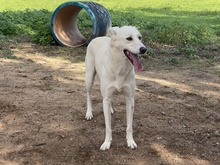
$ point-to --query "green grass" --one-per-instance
(181, 23)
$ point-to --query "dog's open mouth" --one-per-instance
(134, 59)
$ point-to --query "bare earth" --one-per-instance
(43, 105)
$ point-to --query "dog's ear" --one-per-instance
(112, 32)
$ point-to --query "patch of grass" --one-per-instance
(179, 23)
(190, 52)
(177, 33)
(7, 54)
(211, 62)
(5, 51)
(84, 23)
(174, 60)
(164, 51)
(30, 22)
(150, 52)
(2, 38)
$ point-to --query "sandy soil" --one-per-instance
(43, 106)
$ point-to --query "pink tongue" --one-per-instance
(137, 63)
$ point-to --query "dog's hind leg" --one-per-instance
(90, 76)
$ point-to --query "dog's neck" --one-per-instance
(118, 63)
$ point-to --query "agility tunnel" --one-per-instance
(64, 23)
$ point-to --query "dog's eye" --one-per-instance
(139, 37)
(129, 38)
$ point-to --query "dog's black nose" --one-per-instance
(143, 50)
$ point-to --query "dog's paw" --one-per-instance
(89, 115)
(131, 144)
(105, 146)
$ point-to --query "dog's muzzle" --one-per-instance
(134, 59)
(143, 50)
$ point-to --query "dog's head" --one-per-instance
(127, 39)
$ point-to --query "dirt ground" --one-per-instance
(43, 106)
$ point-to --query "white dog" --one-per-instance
(113, 60)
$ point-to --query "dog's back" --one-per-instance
(98, 46)
(97, 55)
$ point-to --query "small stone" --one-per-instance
(217, 133)
(35, 113)
(159, 138)
(208, 135)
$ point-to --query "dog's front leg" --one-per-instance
(107, 113)
(129, 111)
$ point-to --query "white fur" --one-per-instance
(106, 59)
